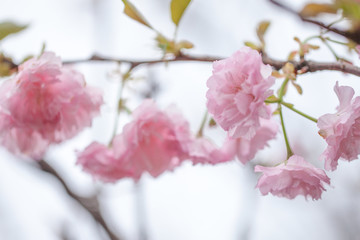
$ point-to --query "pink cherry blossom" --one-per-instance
(203, 151)
(101, 162)
(341, 130)
(238, 88)
(247, 148)
(155, 141)
(44, 103)
(296, 177)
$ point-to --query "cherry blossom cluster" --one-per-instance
(46, 103)
(237, 95)
(155, 141)
(237, 92)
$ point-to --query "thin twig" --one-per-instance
(311, 66)
(354, 36)
(305, 66)
(135, 63)
(91, 204)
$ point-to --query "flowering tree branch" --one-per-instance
(135, 63)
(312, 66)
(304, 66)
(354, 36)
(90, 204)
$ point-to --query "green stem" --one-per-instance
(282, 89)
(330, 48)
(175, 33)
(333, 23)
(299, 112)
(202, 125)
(119, 98)
(310, 38)
(338, 42)
(288, 148)
(272, 101)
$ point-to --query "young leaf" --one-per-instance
(292, 55)
(272, 98)
(177, 8)
(133, 13)
(261, 30)
(298, 87)
(7, 28)
(276, 74)
(252, 45)
(314, 9)
(4, 69)
(212, 123)
(350, 8)
(289, 105)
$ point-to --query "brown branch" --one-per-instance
(91, 205)
(354, 36)
(135, 63)
(305, 66)
(311, 66)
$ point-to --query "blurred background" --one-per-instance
(192, 202)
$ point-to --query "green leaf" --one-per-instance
(261, 30)
(276, 74)
(131, 11)
(351, 8)
(212, 123)
(292, 55)
(297, 87)
(6, 65)
(289, 105)
(165, 44)
(4, 69)
(314, 9)
(276, 112)
(7, 28)
(252, 45)
(178, 8)
(184, 44)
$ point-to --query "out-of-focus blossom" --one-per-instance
(155, 141)
(247, 148)
(296, 177)
(100, 161)
(238, 88)
(341, 130)
(44, 103)
(204, 151)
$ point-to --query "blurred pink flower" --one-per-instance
(204, 151)
(341, 130)
(44, 103)
(247, 148)
(296, 177)
(154, 141)
(357, 48)
(238, 88)
(100, 161)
